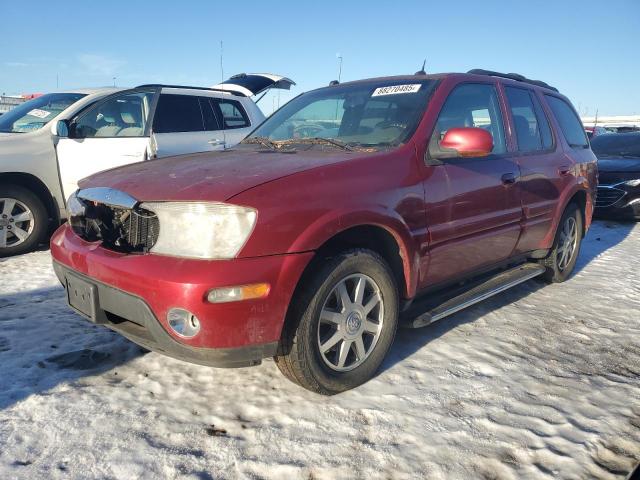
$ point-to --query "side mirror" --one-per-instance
(61, 129)
(463, 142)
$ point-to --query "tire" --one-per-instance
(17, 203)
(301, 357)
(559, 268)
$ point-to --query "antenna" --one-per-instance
(224, 135)
(595, 123)
(339, 57)
(422, 71)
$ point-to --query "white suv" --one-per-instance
(51, 142)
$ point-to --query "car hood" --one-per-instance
(619, 164)
(213, 176)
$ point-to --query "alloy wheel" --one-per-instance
(16, 222)
(567, 244)
(350, 322)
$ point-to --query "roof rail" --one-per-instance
(161, 85)
(512, 76)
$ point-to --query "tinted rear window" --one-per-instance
(524, 119)
(569, 122)
(232, 113)
(178, 113)
(210, 118)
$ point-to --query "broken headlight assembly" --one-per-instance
(206, 230)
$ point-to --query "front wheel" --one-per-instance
(566, 247)
(341, 324)
(23, 220)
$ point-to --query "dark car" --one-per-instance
(350, 209)
(619, 181)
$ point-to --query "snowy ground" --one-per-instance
(541, 382)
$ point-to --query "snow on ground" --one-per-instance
(540, 382)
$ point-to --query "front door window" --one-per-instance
(124, 115)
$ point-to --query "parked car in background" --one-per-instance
(622, 128)
(92, 130)
(595, 131)
(31, 200)
(350, 206)
(619, 181)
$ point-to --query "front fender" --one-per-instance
(333, 223)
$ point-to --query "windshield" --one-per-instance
(617, 145)
(380, 114)
(36, 113)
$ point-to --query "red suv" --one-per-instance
(353, 209)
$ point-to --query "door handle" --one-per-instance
(214, 142)
(508, 178)
(564, 170)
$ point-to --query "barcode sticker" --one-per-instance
(396, 89)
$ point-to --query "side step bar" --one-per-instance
(441, 307)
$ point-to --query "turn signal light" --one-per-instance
(238, 293)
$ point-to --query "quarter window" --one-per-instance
(473, 105)
(232, 113)
(569, 122)
(120, 116)
(178, 113)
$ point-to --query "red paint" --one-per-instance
(447, 220)
(468, 141)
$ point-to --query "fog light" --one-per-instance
(241, 292)
(183, 322)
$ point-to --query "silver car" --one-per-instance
(51, 142)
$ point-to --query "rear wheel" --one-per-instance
(566, 247)
(23, 220)
(341, 324)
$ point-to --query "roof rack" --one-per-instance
(160, 85)
(512, 76)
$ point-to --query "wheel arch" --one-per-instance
(35, 185)
(387, 242)
(579, 198)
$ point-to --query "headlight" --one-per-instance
(201, 229)
(75, 208)
(632, 183)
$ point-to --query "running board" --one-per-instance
(437, 309)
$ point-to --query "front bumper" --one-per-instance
(135, 291)
(626, 205)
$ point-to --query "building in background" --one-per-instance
(618, 123)
(7, 102)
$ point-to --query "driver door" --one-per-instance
(473, 204)
(112, 133)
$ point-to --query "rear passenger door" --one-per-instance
(544, 169)
(473, 204)
(185, 124)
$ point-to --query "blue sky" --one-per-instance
(589, 49)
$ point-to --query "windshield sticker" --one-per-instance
(36, 112)
(396, 89)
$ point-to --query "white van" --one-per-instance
(51, 142)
